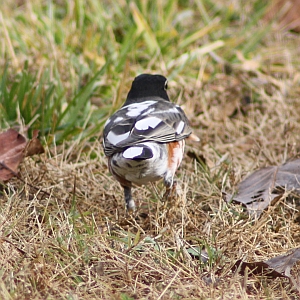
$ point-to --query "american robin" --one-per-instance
(144, 140)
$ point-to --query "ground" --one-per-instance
(67, 66)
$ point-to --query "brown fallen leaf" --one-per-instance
(284, 263)
(11, 153)
(262, 187)
(287, 13)
(279, 266)
(13, 147)
(34, 146)
(255, 268)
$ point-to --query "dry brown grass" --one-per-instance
(70, 237)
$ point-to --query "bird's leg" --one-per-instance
(130, 205)
(170, 185)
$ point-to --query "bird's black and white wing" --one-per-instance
(151, 120)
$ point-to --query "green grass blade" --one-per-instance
(78, 104)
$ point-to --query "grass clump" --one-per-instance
(66, 66)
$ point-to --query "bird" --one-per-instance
(144, 140)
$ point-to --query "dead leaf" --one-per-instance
(256, 268)
(262, 187)
(287, 13)
(34, 146)
(12, 151)
(284, 263)
(279, 266)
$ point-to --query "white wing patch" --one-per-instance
(134, 110)
(117, 138)
(180, 127)
(144, 124)
(132, 152)
(118, 119)
(173, 110)
(148, 111)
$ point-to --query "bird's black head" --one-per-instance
(147, 86)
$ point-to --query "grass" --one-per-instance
(66, 66)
